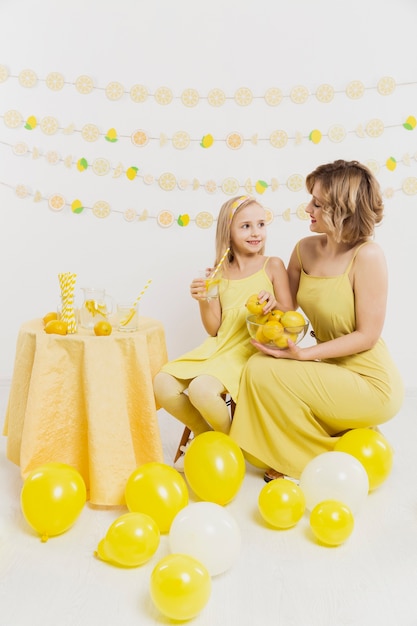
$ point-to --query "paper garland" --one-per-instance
(166, 218)
(181, 140)
(169, 182)
(216, 97)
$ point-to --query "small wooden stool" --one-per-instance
(187, 432)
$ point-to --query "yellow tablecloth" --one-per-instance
(86, 401)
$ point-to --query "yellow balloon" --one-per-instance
(52, 497)
(157, 490)
(214, 467)
(180, 586)
(281, 503)
(332, 522)
(130, 541)
(372, 450)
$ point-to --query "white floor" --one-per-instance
(282, 578)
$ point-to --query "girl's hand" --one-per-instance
(269, 301)
(198, 289)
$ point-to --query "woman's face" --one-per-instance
(248, 230)
(315, 211)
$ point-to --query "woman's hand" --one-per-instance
(292, 352)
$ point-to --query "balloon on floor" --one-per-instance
(214, 467)
(52, 497)
(372, 450)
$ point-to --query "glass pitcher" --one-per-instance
(96, 306)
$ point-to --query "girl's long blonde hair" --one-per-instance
(225, 218)
(352, 201)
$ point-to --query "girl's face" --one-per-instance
(248, 230)
(315, 211)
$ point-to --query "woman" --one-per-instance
(296, 404)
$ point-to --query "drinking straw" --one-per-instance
(219, 264)
(67, 283)
(127, 319)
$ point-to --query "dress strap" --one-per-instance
(266, 261)
(349, 267)
(297, 248)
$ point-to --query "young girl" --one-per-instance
(214, 368)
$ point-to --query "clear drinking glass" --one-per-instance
(127, 317)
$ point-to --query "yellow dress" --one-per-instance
(291, 411)
(225, 355)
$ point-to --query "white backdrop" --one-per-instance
(223, 44)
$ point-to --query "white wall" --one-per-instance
(226, 44)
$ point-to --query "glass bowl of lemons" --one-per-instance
(275, 329)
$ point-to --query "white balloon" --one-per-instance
(335, 476)
(207, 532)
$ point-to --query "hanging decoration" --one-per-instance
(215, 97)
(166, 218)
(167, 181)
(181, 140)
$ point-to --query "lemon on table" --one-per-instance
(103, 328)
(52, 315)
(56, 327)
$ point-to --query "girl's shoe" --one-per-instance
(179, 463)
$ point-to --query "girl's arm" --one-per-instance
(370, 285)
(210, 310)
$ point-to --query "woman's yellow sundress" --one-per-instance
(290, 411)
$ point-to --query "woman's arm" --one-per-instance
(294, 272)
(370, 285)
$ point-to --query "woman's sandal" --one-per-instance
(272, 474)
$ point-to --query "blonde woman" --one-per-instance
(191, 387)
(295, 403)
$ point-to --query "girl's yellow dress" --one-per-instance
(290, 411)
(225, 355)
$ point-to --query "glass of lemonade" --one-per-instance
(127, 317)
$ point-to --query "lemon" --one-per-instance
(410, 123)
(261, 319)
(103, 328)
(272, 329)
(261, 186)
(292, 319)
(207, 141)
(77, 206)
(56, 327)
(52, 315)
(253, 305)
(31, 122)
(131, 172)
(259, 335)
(391, 164)
(276, 314)
(111, 135)
(315, 136)
(282, 340)
(82, 164)
(183, 220)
